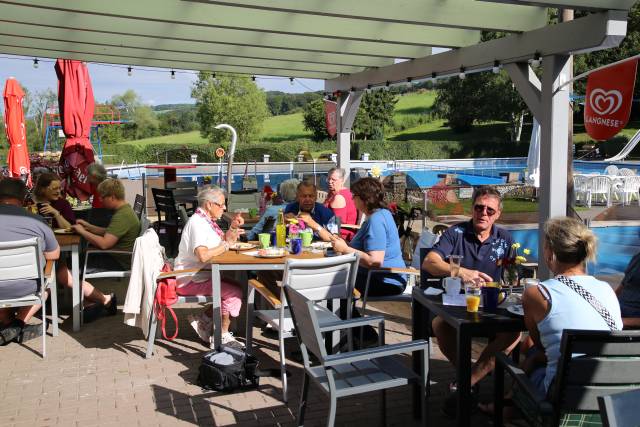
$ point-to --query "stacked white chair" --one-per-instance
(599, 185)
(629, 188)
(611, 170)
(626, 172)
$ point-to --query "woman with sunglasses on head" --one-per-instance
(50, 201)
(482, 244)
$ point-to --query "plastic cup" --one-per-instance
(253, 212)
(265, 240)
(472, 298)
(452, 285)
(307, 237)
(454, 263)
(296, 245)
(529, 282)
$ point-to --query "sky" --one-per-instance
(153, 85)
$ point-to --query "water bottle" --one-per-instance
(281, 231)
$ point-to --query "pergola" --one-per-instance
(352, 45)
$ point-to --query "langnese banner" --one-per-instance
(608, 100)
(330, 117)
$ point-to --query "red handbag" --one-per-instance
(166, 296)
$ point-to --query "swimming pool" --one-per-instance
(617, 244)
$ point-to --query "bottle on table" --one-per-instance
(281, 230)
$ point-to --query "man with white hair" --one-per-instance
(201, 240)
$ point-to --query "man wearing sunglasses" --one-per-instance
(481, 245)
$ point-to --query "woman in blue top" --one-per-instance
(553, 306)
(377, 241)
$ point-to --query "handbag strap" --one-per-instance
(588, 296)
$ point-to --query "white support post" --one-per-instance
(348, 105)
(553, 146)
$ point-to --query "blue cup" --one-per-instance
(492, 296)
(296, 245)
(273, 239)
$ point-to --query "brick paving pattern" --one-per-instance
(99, 377)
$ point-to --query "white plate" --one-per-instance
(516, 309)
(242, 246)
(270, 253)
(321, 245)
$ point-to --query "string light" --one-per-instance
(462, 73)
(173, 75)
(129, 71)
(496, 67)
(253, 78)
(291, 81)
(35, 63)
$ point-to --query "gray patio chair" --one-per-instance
(620, 409)
(22, 259)
(352, 372)
(592, 364)
(317, 279)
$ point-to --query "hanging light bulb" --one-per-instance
(35, 63)
(253, 78)
(496, 67)
(173, 75)
(129, 71)
(291, 81)
(462, 74)
(537, 59)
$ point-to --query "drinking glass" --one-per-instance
(454, 263)
(472, 298)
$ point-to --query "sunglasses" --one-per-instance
(481, 208)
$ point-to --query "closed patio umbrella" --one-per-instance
(76, 103)
(18, 157)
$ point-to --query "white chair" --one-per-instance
(318, 280)
(580, 185)
(353, 372)
(599, 185)
(626, 172)
(321, 196)
(21, 260)
(629, 188)
(611, 170)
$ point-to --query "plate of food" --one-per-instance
(241, 246)
(272, 253)
(321, 245)
(516, 309)
(63, 231)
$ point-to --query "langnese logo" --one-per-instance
(603, 102)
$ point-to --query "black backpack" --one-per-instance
(227, 370)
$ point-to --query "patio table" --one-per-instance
(467, 326)
(71, 243)
(238, 261)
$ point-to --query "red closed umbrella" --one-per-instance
(76, 104)
(18, 158)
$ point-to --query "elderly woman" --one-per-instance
(48, 196)
(202, 239)
(286, 194)
(557, 304)
(340, 201)
(377, 241)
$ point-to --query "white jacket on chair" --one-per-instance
(148, 259)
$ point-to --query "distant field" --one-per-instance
(188, 138)
(288, 127)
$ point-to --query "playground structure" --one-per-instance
(104, 115)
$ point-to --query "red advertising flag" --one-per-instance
(330, 117)
(608, 100)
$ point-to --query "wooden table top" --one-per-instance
(68, 239)
(237, 257)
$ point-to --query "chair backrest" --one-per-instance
(626, 172)
(144, 225)
(138, 205)
(322, 279)
(592, 364)
(631, 183)
(165, 204)
(599, 184)
(306, 325)
(268, 224)
(322, 196)
(193, 185)
(611, 170)
(580, 183)
(20, 259)
(620, 409)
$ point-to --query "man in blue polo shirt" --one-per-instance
(481, 244)
(306, 205)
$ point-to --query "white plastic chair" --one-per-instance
(629, 188)
(21, 259)
(611, 170)
(599, 185)
(580, 186)
(626, 172)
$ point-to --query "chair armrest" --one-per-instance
(376, 352)
(266, 293)
(521, 378)
(49, 268)
(398, 270)
(178, 273)
(352, 323)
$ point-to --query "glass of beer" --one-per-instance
(472, 297)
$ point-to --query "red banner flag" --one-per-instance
(608, 100)
(330, 117)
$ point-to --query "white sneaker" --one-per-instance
(202, 326)
(229, 340)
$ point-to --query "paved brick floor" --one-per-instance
(99, 376)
